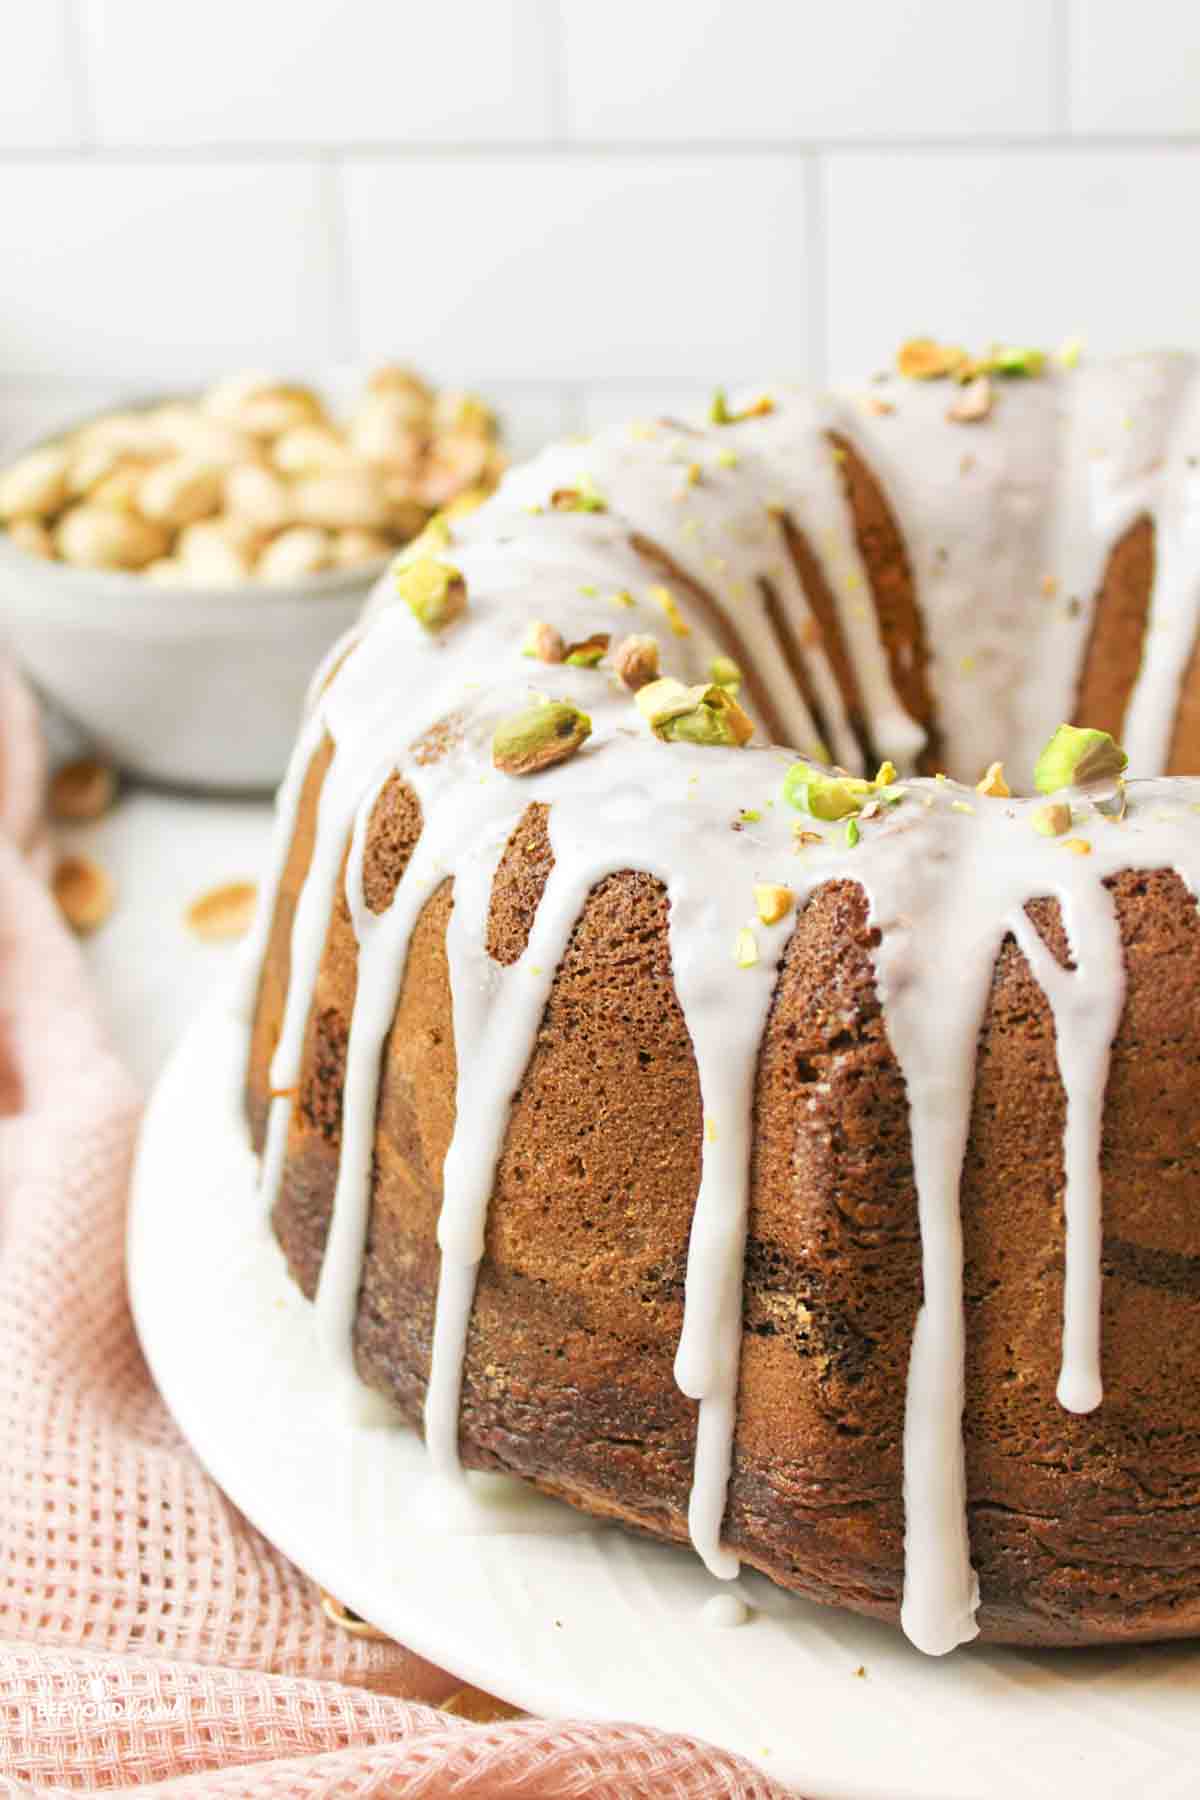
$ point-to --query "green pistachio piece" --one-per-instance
(852, 833)
(1005, 359)
(822, 795)
(1053, 819)
(434, 592)
(719, 413)
(580, 498)
(539, 737)
(725, 672)
(434, 537)
(543, 642)
(1075, 755)
(587, 653)
(694, 715)
(636, 660)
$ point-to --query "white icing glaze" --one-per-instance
(947, 874)
(725, 1611)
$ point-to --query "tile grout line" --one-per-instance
(77, 64)
(577, 150)
(817, 246)
(556, 74)
(1061, 54)
(342, 308)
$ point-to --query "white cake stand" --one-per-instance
(564, 1618)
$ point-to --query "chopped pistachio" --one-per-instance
(852, 833)
(1069, 352)
(993, 783)
(580, 498)
(693, 715)
(962, 806)
(773, 901)
(974, 402)
(823, 795)
(663, 597)
(1053, 819)
(887, 774)
(636, 660)
(589, 590)
(710, 1129)
(1078, 846)
(623, 597)
(921, 359)
(727, 458)
(745, 949)
(543, 642)
(1005, 359)
(434, 592)
(749, 815)
(589, 651)
(719, 413)
(725, 672)
(436, 536)
(542, 735)
(1075, 755)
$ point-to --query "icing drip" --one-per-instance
(1086, 1004)
(496, 1016)
(726, 1009)
(947, 874)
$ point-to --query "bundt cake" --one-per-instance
(778, 1150)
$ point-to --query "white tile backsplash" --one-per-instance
(1028, 248)
(581, 267)
(712, 70)
(38, 98)
(317, 72)
(161, 272)
(1135, 68)
(589, 209)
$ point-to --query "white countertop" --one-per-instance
(162, 851)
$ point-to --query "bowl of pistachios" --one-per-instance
(172, 572)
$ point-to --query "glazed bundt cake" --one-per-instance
(767, 1149)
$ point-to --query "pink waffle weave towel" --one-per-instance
(150, 1639)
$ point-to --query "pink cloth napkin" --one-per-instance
(150, 1639)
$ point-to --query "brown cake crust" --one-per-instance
(1083, 1529)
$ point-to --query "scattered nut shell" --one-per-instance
(84, 892)
(223, 912)
(974, 402)
(338, 1614)
(83, 790)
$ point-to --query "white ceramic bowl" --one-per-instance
(197, 686)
